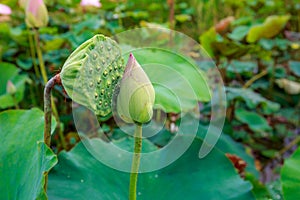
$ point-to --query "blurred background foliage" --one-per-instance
(254, 43)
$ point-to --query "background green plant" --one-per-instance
(260, 68)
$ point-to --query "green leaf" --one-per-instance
(178, 83)
(225, 144)
(242, 67)
(295, 67)
(253, 120)
(80, 176)
(24, 157)
(24, 63)
(271, 27)
(53, 44)
(206, 40)
(10, 72)
(183, 18)
(239, 33)
(231, 49)
(252, 99)
(260, 191)
(290, 178)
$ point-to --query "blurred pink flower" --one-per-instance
(95, 3)
(36, 13)
(4, 9)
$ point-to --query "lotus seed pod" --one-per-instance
(136, 96)
(88, 75)
(36, 14)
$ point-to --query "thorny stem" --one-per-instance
(48, 114)
(135, 161)
(45, 78)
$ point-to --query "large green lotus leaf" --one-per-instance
(24, 157)
(80, 176)
(252, 99)
(255, 121)
(225, 144)
(9, 72)
(290, 178)
(271, 27)
(178, 83)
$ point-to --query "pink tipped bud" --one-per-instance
(36, 14)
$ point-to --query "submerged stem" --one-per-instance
(135, 161)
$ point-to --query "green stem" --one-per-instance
(255, 78)
(40, 56)
(32, 53)
(45, 78)
(48, 113)
(135, 161)
(294, 142)
(33, 99)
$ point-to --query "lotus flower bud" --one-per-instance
(4, 9)
(136, 97)
(95, 3)
(23, 3)
(11, 88)
(36, 14)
